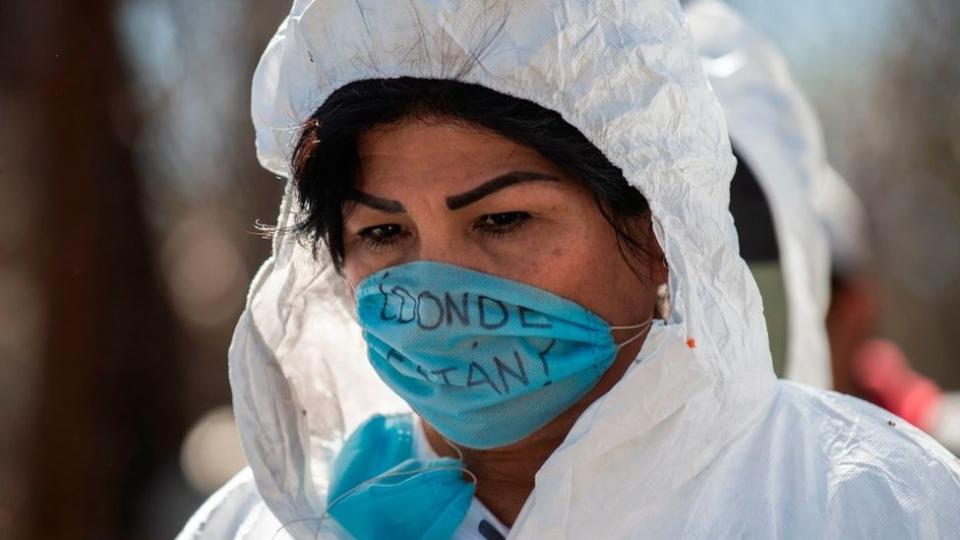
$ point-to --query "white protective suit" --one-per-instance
(778, 135)
(698, 440)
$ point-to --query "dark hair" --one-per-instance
(752, 215)
(326, 163)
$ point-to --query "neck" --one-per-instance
(505, 476)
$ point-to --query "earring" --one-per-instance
(663, 301)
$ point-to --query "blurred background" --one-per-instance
(130, 199)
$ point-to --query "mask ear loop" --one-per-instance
(350, 286)
(642, 328)
(454, 446)
(374, 480)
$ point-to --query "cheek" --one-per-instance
(589, 269)
(355, 269)
(579, 264)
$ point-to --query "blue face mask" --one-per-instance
(379, 490)
(485, 360)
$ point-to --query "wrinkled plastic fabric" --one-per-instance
(778, 135)
(697, 441)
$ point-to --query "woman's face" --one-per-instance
(439, 191)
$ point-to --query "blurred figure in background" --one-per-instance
(864, 364)
(779, 147)
(802, 231)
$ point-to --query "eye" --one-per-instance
(501, 223)
(380, 236)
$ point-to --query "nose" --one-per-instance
(448, 247)
(438, 245)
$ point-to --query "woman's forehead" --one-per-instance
(438, 151)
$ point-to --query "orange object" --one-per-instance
(884, 376)
(691, 343)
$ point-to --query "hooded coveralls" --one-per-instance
(778, 135)
(698, 440)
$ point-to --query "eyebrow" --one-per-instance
(385, 205)
(456, 202)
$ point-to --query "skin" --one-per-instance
(850, 322)
(546, 231)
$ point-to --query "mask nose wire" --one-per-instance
(351, 286)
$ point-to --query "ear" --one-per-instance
(659, 271)
(663, 302)
(657, 267)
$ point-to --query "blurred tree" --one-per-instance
(20, 307)
(107, 410)
(913, 157)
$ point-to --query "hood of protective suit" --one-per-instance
(777, 133)
(650, 454)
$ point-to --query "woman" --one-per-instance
(484, 200)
